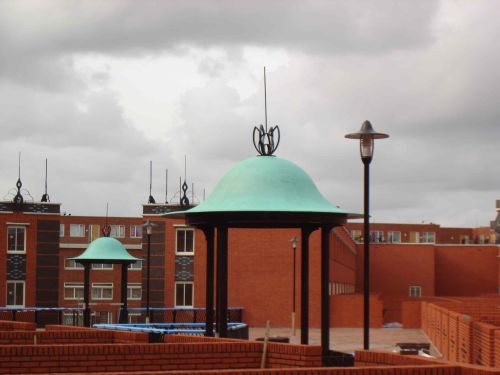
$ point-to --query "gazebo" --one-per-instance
(265, 192)
(106, 250)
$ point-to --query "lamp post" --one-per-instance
(366, 135)
(149, 230)
(294, 247)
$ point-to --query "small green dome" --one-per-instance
(266, 184)
(106, 249)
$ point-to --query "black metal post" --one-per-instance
(209, 304)
(325, 297)
(366, 265)
(222, 269)
(86, 294)
(293, 289)
(304, 286)
(124, 309)
(148, 277)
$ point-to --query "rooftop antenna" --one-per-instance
(203, 193)
(263, 138)
(106, 231)
(185, 199)
(265, 97)
(166, 186)
(45, 197)
(192, 192)
(151, 200)
(18, 198)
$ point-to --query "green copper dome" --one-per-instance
(106, 250)
(266, 184)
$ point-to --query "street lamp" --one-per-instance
(148, 225)
(294, 247)
(366, 135)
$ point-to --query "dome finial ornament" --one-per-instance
(263, 139)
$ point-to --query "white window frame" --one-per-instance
(136, 266)
(132, 315)
(415, 291)
(379, 236)
(73, 232)
(15, 282)
(73, 264)
(15, 251)
(427, 237)
(185, 230)
(184, 305)
(390, 236)
(102, 266)
(102, 287)
(74, 286)
(61, 230)
(117, 231)
(130, 288)
(133, 231)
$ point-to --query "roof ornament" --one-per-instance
(151, 200)
(106, 229)
(263, 138)
(184, 199)
(45, 196)
(18, 198)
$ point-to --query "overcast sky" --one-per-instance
(100, 88)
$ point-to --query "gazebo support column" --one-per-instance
(304, 285)
(124, 309)
(86, 294)
(209, 304)
(325, 298)
(222, 279)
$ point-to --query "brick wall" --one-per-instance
(347, 311)
(464, 330)
(6, 325)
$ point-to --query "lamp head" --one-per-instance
(148, 225)
(366, 135)
(293, 240)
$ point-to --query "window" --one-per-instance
(102, 266)
(183, 294)
(136, 231)
(102, 290)
(134, 291)
(135, 266)
(15, 293)
(73, 290)
(61, 230)
(376, 236)
(134, 318)
(415, 291)
(428, 237)
(16, 239)
(77, 230)
(356, 235)
(70, 264)
(393, 237)
(185, 241)
(117, 231)
(102, 317)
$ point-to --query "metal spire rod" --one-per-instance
(166, 186)
(265, 97)
(45, 175)
(19, 166)
(150, 176)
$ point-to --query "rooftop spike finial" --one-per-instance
(151, 200)
(184, 198)
(106, 230)
(264, 139)
(18, 198)
(45, 196)
(166, 186)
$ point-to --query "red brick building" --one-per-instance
(408, 261)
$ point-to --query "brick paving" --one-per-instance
(351, 339)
